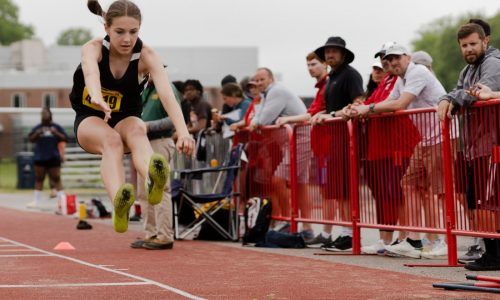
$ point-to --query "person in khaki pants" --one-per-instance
(158, 226)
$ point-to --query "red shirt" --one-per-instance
(251, 110)
(383, 89)
(318, 103)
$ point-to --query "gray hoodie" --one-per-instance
(479, 125)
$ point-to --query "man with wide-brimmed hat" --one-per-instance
(345, 86)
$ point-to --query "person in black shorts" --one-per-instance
(106, 97)
(47, 158)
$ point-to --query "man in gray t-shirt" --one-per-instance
(424, 177)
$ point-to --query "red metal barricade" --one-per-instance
(401, 171)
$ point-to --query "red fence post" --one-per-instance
(449, 193)
(293, 176)
(354, 186)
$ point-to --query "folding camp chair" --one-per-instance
(217, 200)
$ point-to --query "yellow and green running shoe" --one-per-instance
(124, 199)
(157, 178)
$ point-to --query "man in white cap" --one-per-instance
(418, 88)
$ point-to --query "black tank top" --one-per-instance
(123, 95)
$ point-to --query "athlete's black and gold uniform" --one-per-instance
(122, 95)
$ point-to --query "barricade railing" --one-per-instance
(404, 171)
(323, 172)
(269, 154)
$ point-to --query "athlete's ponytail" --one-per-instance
(95, 7)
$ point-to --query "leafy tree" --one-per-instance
(439, 39)
(11, 30)
(74, 37)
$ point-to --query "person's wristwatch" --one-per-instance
(332, 113)
(371, 107)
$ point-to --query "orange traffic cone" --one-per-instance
(64, 246)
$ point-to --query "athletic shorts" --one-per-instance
(482, 184)
(52, 163)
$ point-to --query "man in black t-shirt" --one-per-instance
(344, 87)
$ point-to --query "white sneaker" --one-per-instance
(32, 204)
(404, 249)
(439, 250)
(374, 249)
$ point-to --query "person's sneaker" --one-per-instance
(403, 249)
(124, 199)
(375, 248)
(485, 263)
(157, 244)
(439, 250)
(343, 244)
(83, 225)
(331, 243)
(319, 240)
(32, 204)
(135, 218)
(307, 234)
(137, 244)
(384, 251)
(473, 253)
(157, 178)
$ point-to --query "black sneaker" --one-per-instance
(473, 253)
(331, 243)
(157, 244)
(319, 239)
(343, 244)
(484, 263)
(83, 225)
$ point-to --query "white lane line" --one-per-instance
(8, 245)
(97, 284)
(23, 255)
(158, 284)
(16, 250)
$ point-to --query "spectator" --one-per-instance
(344, 87)
(185, 106)
(233, 98)
(158, 225)
(318, 70)
(422, 58)
(376, 76)
(252, 109)
(423, 179)
(108, 110)
(483, 69)
(47, 158)
(200, 114)
(278, 101)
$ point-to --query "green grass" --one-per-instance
(8, 175)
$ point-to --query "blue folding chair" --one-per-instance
(218, 200)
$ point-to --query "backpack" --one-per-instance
(257, 219)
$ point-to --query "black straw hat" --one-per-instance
(335, 41)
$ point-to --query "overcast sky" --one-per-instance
(283, 30)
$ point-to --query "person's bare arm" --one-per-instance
(152, 63)
(91, 55)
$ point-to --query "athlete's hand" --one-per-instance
(185, 144)
(104, 107)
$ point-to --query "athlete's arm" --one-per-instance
(91, 54)
(151, 62)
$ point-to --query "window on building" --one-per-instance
(18, 100)
(49, 100)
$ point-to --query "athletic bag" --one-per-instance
(257, 219)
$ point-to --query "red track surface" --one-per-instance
(104, 267)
